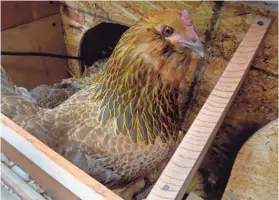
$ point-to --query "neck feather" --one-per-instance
(134, 95)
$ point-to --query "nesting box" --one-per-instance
(91, 30)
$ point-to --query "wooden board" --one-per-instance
(193, 196)
(255, 171)
(5, 194)
(58, 168)
(43, 35)
(183, 165)
(14, 13)
(22, 189)
(47, 182)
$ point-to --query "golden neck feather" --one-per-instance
(134, 91)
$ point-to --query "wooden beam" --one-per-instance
(5, 194)
(71, 177)
(47, 182)
(22, 189)
(183, 165)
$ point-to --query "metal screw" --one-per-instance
(166, 187)
(260, 23)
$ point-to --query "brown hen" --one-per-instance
(126, 123)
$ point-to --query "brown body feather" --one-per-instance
(125, 124)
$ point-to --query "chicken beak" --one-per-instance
(194, 45)
(198, 48)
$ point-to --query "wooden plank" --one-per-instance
(193, 196)
(183, 165)
(22, 189)
(47, 182)
(5, 194)
(14, 13)
(43, 35)
(56, 166)
(254, 174)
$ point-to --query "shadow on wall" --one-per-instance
(99, 42)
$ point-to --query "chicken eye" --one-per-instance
(167, 31)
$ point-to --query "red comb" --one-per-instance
(191, 33)
(186, 18)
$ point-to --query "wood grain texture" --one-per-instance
(22, 189)
(180, 170)
(255, 170)
(14, 13)
(43, 35)
(46, 182)
(193, 196)
(67, 174)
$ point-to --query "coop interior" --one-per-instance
(55, 49)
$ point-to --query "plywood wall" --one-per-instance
(221, 27)
(32, 27)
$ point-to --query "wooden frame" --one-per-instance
(66, 181)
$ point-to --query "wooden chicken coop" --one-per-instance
(88, 31)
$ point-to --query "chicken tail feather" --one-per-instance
(15, 101)
(18, 104)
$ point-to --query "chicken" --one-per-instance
(125, 124)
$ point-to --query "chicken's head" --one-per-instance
(160, 47)
(176, 28)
